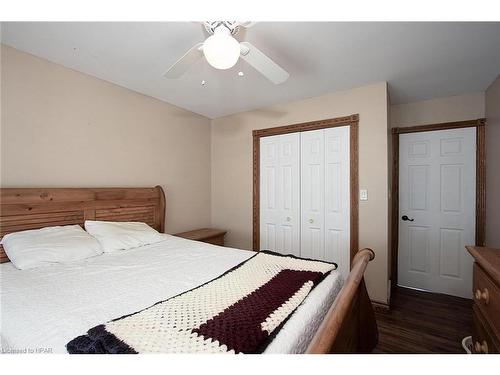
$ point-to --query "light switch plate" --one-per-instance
(363, 195)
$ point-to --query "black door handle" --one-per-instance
(406, 218)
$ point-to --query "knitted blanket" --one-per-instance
(237, 312)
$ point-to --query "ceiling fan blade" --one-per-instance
(246, 24)
(267, 67)
(182, 65)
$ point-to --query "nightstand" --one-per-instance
(208, 235)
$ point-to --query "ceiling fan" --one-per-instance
(222, 51)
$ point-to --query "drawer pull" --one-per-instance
(481, 347)
(484, 295)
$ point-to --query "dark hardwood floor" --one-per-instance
(421, 322)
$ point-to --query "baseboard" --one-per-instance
(380, 306)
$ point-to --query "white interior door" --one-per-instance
(325, 196)
(337, 197)
(312, 242)
(280, 193)
(437, 192)
(305, 196)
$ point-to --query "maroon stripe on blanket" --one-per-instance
(239, 326)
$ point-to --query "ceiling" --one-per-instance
(419, 60)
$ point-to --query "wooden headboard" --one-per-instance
(33, 208)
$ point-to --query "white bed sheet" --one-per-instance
(44, 308)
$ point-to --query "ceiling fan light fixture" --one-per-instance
(221, 50)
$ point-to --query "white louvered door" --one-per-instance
(305, 195)
(437, 191)
(280, 193)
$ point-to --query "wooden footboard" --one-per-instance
(349, 325)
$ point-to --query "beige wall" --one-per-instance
(493, 164)
(434, 111)
(232, 167)
(64, 128)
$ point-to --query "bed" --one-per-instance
(44, 308)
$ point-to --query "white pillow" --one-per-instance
(41, 247)
(114, 236)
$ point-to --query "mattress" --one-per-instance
(43, 309)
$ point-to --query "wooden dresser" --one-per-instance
(208, 235)
(486, 309)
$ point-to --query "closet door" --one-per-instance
(312, 145)
(325, 196)
(280, 193)
(337, 198)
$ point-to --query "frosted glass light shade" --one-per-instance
(221, 50)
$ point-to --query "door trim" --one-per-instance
(479, 124)
(353, 122)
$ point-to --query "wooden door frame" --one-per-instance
(351, 121)
(480, 125)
